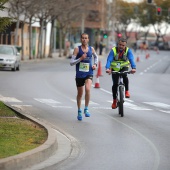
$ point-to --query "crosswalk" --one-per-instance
(162, 107)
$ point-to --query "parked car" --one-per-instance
(72, 49)
(152, 46)
(163, 46)
(9, 57)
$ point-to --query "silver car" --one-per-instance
(72, 49)
(9, 57)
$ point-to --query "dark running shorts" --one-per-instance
(81, 81)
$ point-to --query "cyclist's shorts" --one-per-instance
(81, 81)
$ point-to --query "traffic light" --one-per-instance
(119, 35)
(105, 35)
(149, 1)
(158, 11)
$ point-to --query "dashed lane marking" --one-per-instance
(133, 106)
(51, 103)
(83, 101)
(63, 107)
(165, 107)
(9, 99)
(158, 104)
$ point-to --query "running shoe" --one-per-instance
(79, 116)
(86, 112)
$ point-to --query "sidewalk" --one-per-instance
(55, 56)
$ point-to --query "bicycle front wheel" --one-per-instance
(120, 106)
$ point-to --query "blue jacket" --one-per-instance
(130, 57)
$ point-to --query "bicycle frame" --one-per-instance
(121, 91)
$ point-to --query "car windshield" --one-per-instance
(6, 50)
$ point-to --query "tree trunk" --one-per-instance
(22, 41)
(40, 41)
(45, 39)
(16, 32)
(60, 42)
(51, 39)
(30, 38)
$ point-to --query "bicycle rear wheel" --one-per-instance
(120, 105)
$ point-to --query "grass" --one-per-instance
(18, 135)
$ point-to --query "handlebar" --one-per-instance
(121, 73)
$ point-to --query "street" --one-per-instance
(138, 141)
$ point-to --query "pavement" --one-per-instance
(58, 147)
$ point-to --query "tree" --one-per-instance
(4, 21)
(149, 16)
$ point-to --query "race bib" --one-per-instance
(118, 65)
(84, 67)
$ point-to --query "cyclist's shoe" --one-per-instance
(79, 116)
(127, 94)
(86, 112)
(114, 104)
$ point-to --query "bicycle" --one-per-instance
(121, 91)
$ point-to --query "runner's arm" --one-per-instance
(95, 56)
(73, 60)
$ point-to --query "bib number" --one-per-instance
(84, 67)
(118, 65)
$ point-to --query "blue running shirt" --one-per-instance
(84, 67)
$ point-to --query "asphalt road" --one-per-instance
(105, 141)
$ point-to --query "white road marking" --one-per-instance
(158, 104)
(135, 107)
(105, 108)
(9, 99)
(165, 111)
(21, 105)
(83, 101)
(51, 103)
(47, 101)
(132, 106)
(63, 106)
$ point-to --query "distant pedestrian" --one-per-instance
(101, 45)
(156, 48)
(144, 47)
(135, 47)
(96, 45)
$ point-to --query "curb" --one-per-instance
(34, 156)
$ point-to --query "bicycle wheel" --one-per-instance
(121, 101)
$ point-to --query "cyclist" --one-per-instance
(119, 59)
(82, 58)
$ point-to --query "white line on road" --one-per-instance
(83, 101)
(158, 104)
(63, 107)
(47, 101)
(9, 99)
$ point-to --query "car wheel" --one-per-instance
(14, 69)
(18, 68)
